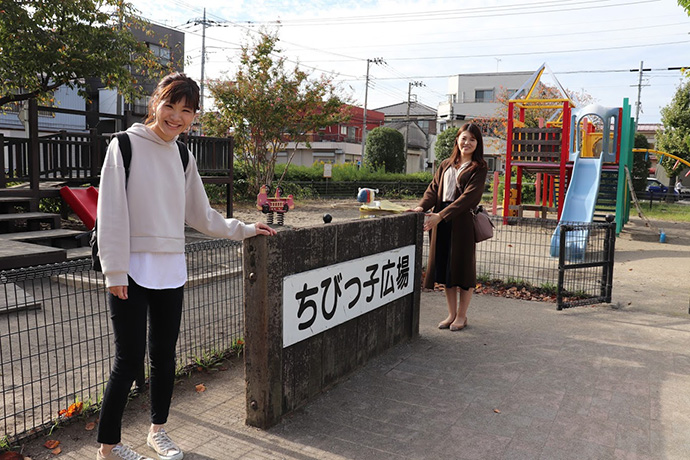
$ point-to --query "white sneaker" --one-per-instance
(122, 452)
(164, 446)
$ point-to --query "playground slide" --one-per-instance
(83, 202)
(578, 206)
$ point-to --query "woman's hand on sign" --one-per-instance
(263, 229)
(431, 220)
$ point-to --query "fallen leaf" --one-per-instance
(497, 411)
(11, 456)
(56, 451)
(90, 426)
(51, 444)
(200, 388)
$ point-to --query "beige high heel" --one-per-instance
(458, 328)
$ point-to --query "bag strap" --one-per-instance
(125, 150)
(184, 154)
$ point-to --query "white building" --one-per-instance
(477, 96)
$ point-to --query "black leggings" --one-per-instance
(164, 310)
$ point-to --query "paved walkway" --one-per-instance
(523, 381)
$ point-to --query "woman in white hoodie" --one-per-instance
(141, 219)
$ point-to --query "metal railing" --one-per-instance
(523, 253)
(55, 339)
(78, 157)
(55, 335)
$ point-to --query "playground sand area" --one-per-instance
(648, 275)
(309, 213)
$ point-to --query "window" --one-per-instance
(141, 105)
(15, 107)
(161, 52)
(343, 130)
(484, 95)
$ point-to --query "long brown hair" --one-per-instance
(478, 154)
(173, 88)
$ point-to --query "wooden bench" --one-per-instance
(17, 254)
(8, 203)
(57, 237)
(8, 222)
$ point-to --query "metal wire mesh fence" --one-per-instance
(55, 337)
(586, 255)
(527, 253)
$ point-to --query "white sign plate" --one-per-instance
(317, 300)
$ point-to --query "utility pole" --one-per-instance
(378, 61)
(407, 118)
(639, 93)
(203, 62)
(204, 24)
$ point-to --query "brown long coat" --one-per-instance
(470, 188)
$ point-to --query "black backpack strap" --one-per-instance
(125, 150)
(184, 154)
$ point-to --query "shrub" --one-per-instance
(385, 147)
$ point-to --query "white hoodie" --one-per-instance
(148, 215)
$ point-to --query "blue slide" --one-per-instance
(583, 190)
(578, 207)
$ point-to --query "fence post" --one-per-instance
(34, 159)
(561, 266)
(609, 250)
(62, 149)
(231, 168)
(3, 176)
(93, 154)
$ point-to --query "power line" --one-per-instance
(532, 53)
(513, 39)
(447, 15)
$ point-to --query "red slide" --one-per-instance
(83, 202)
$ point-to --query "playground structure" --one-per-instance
(578, 157)
(83, 202)
(277, 204)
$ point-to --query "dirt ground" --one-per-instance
(310, 213)
(648, 275)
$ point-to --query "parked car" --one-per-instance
(656, 189)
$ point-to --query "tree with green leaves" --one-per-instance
(641, 163)
(445, 143)
(385, 147)
(675, 137)
(45, 44)
(265, 105)
(685, 4)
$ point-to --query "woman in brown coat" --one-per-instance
(454, 192)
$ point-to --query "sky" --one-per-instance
(591, 46)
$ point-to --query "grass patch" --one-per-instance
(673, 212)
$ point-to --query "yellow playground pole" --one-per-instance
(657, 152)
